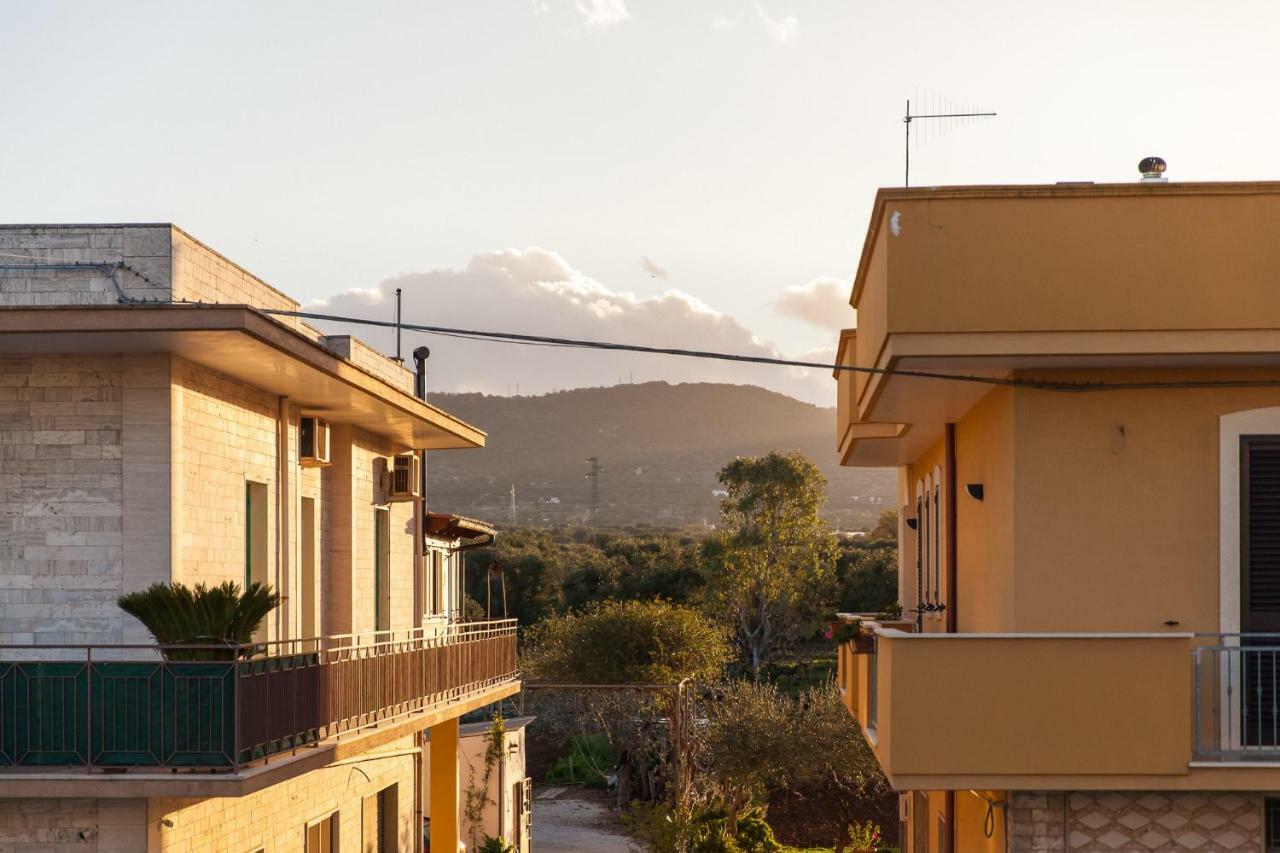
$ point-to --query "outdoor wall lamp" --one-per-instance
(913, 522)
(975, 491)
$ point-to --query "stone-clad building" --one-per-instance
(156, 425)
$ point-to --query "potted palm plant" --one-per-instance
(180, 616)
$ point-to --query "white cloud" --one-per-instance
(720, 22)
(783, 29)
(602, 13)
(823, 302)
(534, 291)
(650, 266)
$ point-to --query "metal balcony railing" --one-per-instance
(1237, 704)
(126, 706)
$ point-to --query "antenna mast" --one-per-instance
(906, 123)
(593, 474)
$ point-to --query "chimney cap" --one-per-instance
(1152, 168)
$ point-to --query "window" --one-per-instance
(382, 569)
(1271, 825)
(926, 533)
(437, 582)
(322, 835)
(937, 541)
(380, 822)
(920, 596)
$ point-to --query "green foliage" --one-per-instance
(494, 845)
(864, 837)
(588, 759)
(886, 529)
(756, 738)
(773, 563)
(553, 571)
(866, 575)
(846, 631)
(177, 614)
(626, 642)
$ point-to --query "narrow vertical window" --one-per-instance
(919, 559)
(322, 835)
(937, 541)
(927, 533)
(382, 569)
(437, 583)
(1271, 827)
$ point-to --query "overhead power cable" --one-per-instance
(547, 340)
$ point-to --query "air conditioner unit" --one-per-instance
(313, 442)
(406, 478)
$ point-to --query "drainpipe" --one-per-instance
(952, 534)
(420, 356)
(952, 597)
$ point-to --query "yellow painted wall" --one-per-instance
(984, 547)
(1120, 532)
(1026, 705)
(1152, 258)
(971, 816)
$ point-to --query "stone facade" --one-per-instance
(276, 818)
(61, 492)
(1137, 821)
(73, 826)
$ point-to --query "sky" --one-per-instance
(675, 173)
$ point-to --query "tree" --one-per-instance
(773, 563)
(866, 575)
(756, 739)
(626, 642)
(178, 615)
(886, 529)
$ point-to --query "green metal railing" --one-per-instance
(271, 698)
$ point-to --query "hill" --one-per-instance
(660, 446)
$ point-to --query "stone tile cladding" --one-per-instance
(60, 499)
(276, 817)
(1138, 821)
(73, 825)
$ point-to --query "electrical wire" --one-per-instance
(1015, 382)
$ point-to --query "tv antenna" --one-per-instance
(951, 118)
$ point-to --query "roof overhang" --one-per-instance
(441, 525)
(901, 416)
(247, 345)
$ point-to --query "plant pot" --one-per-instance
(864, 644)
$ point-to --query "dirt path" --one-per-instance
(571, 820)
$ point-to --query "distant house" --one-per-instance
(1089, 513)
(156, 425)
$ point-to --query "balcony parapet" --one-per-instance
(120, 707)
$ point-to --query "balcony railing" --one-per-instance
(124, 706)
(1237, 704)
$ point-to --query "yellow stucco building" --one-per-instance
(157, 425)
(1079, 385)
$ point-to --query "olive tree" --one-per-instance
(772, 567)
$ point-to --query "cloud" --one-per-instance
(823, 302)
(602, 13)
(783, 29)
(535, 291)
(651, 267)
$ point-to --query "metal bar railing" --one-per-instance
(1236, 704)
(151, 706)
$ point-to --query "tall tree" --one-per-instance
(773, 562)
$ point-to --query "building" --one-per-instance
(158, 424)
(501, 792)
(1079, 385)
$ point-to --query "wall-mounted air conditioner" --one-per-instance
(405, 478)
(313, 442)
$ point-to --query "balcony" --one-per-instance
(1004, 711)
(116, 708)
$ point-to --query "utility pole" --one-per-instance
(593, 474)
(513, 504)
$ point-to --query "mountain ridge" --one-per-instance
(660, 445)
